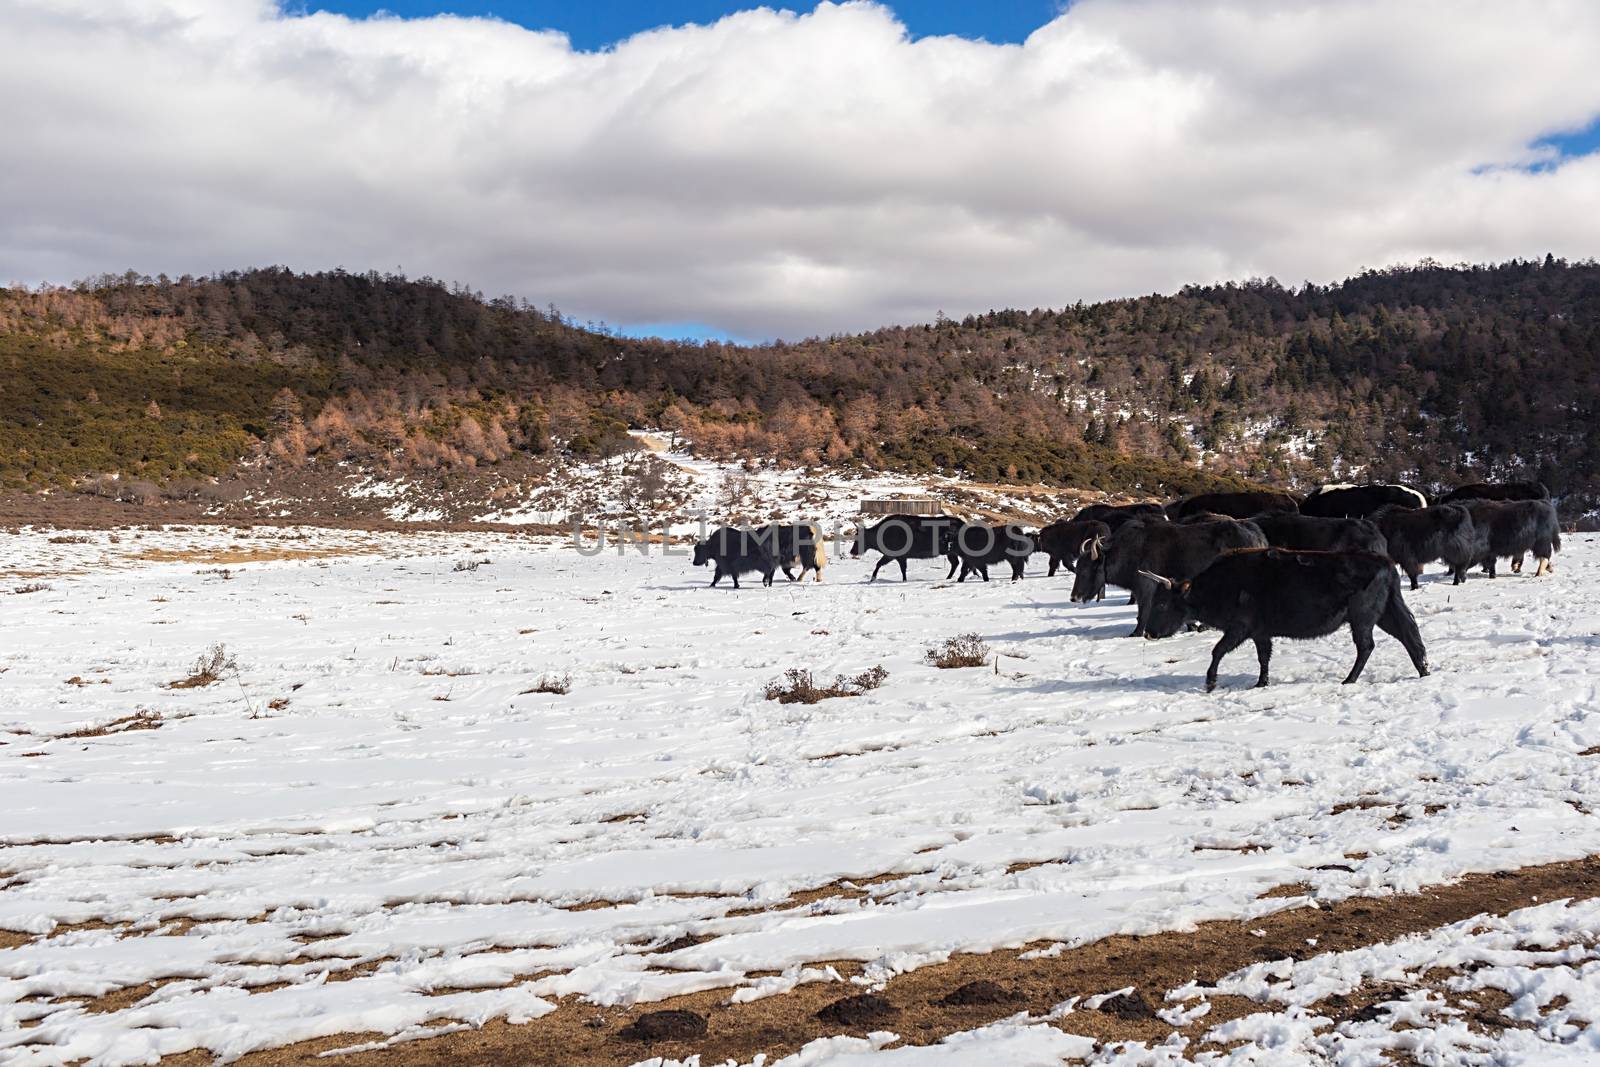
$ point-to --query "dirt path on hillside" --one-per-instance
(925, 1005)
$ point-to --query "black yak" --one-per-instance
(1114, 515)
(1063, 542)
(903, 537)
(1256, 595)
(1344, 501)
(1176, 550)
(1234, 505)
(1416, 537)
(800, 545)
(735, 552)
(1499, 491)
(976, 547)
(1313, 534)
(1512, 529)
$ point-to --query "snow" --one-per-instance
(699, 493)
(372, 826)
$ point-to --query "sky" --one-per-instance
(595, 25)
(701, 169)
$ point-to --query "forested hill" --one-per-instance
(1427, 374)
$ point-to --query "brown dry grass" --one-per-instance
(139, 720)
(250, 554)
(974, 990)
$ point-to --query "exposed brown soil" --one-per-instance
(864, 1011)
(972, 990)
(672, 1025)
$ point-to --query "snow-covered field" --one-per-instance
(372, 824)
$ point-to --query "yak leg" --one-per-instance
(955, 561)
(1459, 575)
(1264, 657)
(1543, 568)
(766, 579)
(1396, 621)
(1142, 596)
(1364, 644)
(1230, 641)
(735, 576)
(1017, 567)
(1412, 571)
(716, 574)
(1516, 563)
(903, 577)
(882, 560)
(983, 571)
(1055, 562)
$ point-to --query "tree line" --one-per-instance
(1427, 374)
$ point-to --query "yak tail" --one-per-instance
(1398, 621)
(1555, 539)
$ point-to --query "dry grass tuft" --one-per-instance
(31, 587)
(559, 684)
(209, 667)
(798, 687)
(963, 650)
(142, 719)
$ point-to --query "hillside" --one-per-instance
(209, 389)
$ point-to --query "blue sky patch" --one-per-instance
(593, 26)
(1575, 143)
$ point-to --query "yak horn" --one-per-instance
(1094, 549)
(1160, 579)
(1085, 546)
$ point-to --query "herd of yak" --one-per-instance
(1252, 565)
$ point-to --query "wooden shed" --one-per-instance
(902, 505)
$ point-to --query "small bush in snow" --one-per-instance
(559, 684)
(31, 587)
(870, 678)
(963, 650)
(798, 687)
(210, 666)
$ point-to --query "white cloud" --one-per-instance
(775, 174)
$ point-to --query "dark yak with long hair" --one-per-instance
(976, 547)
(1512, 529)
(903, 537)
(1313, 534)
(1498, 491)
(1359, 501)
(1063, 542)
(1416, 537)
(1114, 515)
(734, 552)
(1257, 595)
(1173, 550)
(1241, 505)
